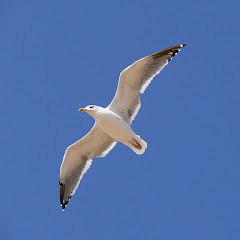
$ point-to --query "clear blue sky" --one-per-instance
(57, 56)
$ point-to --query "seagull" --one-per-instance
(113, 123)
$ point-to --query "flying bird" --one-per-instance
(113, 123)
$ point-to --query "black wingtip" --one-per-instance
(64, 205)
(172, 51)
(176, 49)
(62, 190)
(62, 196)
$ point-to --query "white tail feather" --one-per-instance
(141, 142)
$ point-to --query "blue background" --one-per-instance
(57, 56)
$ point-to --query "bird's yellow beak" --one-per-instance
(81, 109)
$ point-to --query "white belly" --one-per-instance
(114, 126)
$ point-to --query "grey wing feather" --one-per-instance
(135, 79)
(78, 158)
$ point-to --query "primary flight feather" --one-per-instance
(112, 124)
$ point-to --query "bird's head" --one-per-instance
(92, 110)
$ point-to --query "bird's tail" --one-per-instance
(138, 145)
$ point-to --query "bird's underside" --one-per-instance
(125, 105)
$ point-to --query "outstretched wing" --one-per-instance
(78, 158)
(135, 79)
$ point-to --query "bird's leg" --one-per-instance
(136, 144)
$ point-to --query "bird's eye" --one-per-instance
(91, 107)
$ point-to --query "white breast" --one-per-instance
(114, 125)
